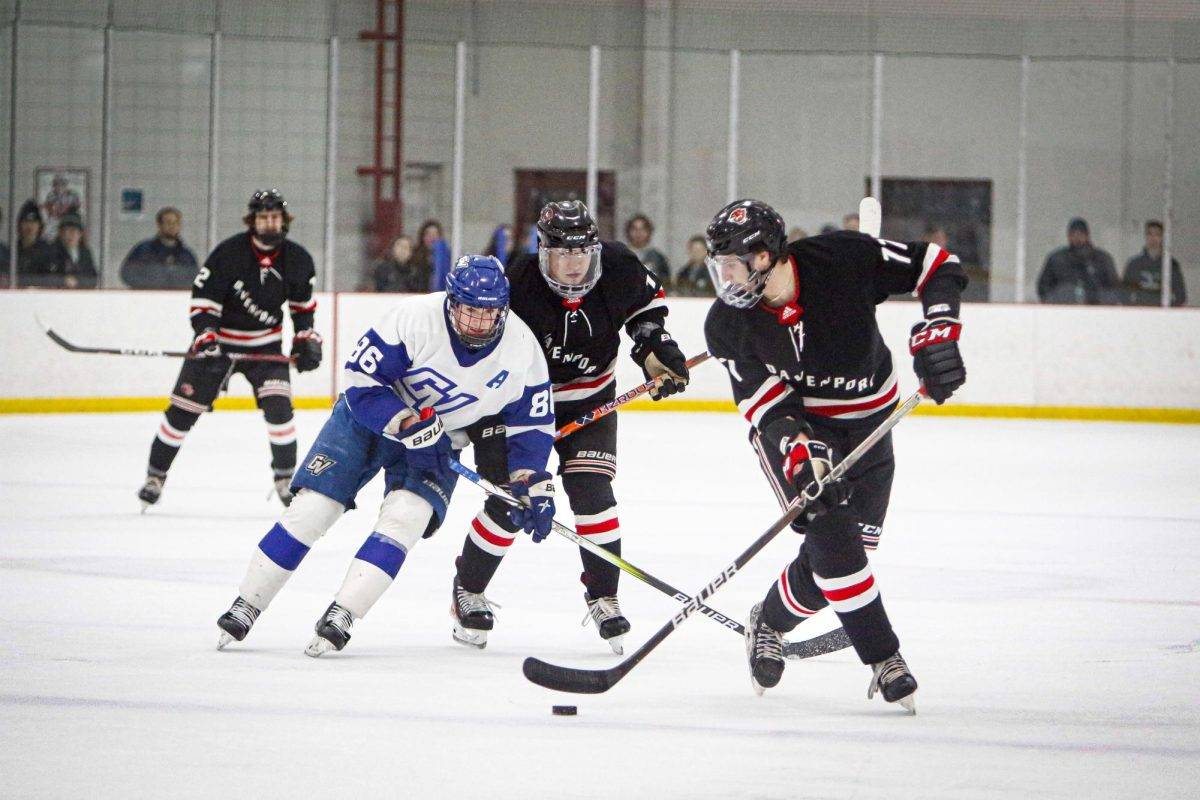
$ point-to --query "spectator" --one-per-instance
(1143, 273)
(500, 245)
(432, 255)
(33, 253)
(71, 263)
(936, 234)
(399, 271)
(796, 233)
(163, 262)
(638, 232)
(693, 280)
(4, 254)
(1079, 273)
(850, 222)
(828, 227)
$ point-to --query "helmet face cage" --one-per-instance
(570, 272)
(476, 326)
(477, 294)
(737, 283)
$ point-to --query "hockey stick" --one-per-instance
(829, 642)
(612, 405)
(136, 351)
(595, 681)
(870, 216)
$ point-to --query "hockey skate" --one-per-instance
(472, 615)
(892, 678)
(612, 625)
(333, 631)
(151, 490)
(764, 650)
(283, 487)
(236, 622)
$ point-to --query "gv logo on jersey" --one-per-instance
(426, 387)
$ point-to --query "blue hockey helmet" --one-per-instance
(477, 300)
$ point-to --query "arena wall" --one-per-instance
(1022, 360)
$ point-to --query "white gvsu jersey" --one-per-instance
(411, 360)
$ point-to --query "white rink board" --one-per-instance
(1021, 355)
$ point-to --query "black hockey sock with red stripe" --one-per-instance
(843, 575)
(171, 431)
(599, 576)
(487, 541)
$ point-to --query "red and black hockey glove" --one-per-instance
(205, 345)
(306, 350)
(936, 360)
(807, 464)
(657, 354)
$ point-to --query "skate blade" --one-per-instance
(318, 647)
(469, 637)
(223, 640)
(909, 703)
(145, 506)
(617, 643)
(758, 688)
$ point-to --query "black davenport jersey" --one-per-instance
(581, 343)
(822, 356)
(240, 292)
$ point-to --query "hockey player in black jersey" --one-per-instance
(237, 306)
(795, 328)
(575, 294)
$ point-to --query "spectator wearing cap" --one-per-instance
(33, 252)
(1143, 272)
(164, 261)
(71, 263)
(639, 230)
(1079, 273)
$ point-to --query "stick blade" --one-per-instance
(870, 216)
(567, 679)
(829, 642)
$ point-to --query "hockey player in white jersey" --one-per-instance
(433, 366)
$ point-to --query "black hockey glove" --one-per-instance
(306, 350)
(936, 360)
(657, 354)
(536, 514)
(807, 464)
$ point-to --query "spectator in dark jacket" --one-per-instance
(33, 252)
(1079, 273)
(639, 230)
(399, 271)
(1143, 273)
(163, 262)
(432, 255)
(693, 280)
(71, 262)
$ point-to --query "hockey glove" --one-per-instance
(936, 360)
(205, 345)
(306, 350)
(535, 490)
(657, 354)
(807, 464)
(424, 437)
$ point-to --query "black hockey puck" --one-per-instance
(564, 711)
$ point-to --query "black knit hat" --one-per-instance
(30, 211)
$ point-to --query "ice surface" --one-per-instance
(1042, 577)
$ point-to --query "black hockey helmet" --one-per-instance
(267, 200)
(568, 248)
(567, 224)
(736, 233)
(744, 227)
